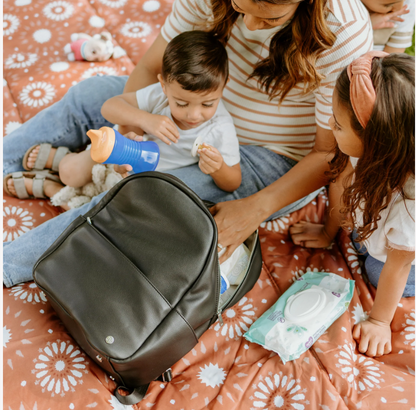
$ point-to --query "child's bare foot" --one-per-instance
(310, 235)
(31, 159)
(50, 188)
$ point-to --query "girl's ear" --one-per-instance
(162, 83)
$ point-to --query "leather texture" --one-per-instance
(136, 279)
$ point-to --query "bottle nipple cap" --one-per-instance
(305, 305)
(102, 143)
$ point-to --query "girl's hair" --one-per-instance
(293, 50)
(388, 140)
(197, 60)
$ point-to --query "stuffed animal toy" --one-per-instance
(103, 178)
(99, 47)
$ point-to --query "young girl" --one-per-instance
(374, 125)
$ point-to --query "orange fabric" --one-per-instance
(43, 366)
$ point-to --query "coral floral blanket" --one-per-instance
(43, 366)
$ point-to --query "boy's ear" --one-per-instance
(162, 83)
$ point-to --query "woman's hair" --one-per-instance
(293, 50)
(197, 60)
(388, 157)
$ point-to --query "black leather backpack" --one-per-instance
(136, 280)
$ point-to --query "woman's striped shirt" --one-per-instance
(289, 129)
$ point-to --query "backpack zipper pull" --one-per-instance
(220, 317)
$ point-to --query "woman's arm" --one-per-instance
(237, 220)
(374, 335)
(145, 73)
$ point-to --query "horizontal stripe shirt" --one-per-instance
(288, 129)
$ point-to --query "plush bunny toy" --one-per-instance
(84, 47)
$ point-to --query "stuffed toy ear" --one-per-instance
(119, 52)
(106, 36)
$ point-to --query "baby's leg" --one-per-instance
(75, 169)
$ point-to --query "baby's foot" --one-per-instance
(50, 188)
(34, 154)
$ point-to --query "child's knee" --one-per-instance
(68, 170)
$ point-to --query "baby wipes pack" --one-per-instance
(302, 314)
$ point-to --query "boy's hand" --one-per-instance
(373, 336)
(161, 127)
(126, 168)
(379, 20)
(210, 159)
(310, 235)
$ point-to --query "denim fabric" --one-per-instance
(373, 268)
(66, 122)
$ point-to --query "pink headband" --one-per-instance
(362, 93)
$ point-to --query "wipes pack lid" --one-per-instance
(305, 305)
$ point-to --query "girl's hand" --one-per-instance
(161, 127)
(379, 20)
(310, 235)
(236, 221)
(373, 336)
(210, 159)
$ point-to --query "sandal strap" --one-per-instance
(37, 186)
(19, 185)
(43, 155)
(59, 154)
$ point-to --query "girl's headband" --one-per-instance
(362, 93)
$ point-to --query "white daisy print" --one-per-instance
(279, 391)
(10, 24)
(11, 126)
(59, 368)
(353, 258)
(116, 405)
(151, 6)
(136, 29)
(115, 4)
(16, 222)
(237, 319)
(99, 71)
(409, 329)
(361, 372)
(277, 225)
(37, 94)
(358, 314)
(58, 10)
(7, 335)
(28, 292)
(21, 60)
(212, 375)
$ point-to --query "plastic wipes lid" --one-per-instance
(305, 305)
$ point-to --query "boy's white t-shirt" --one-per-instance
(219, 132)
(396, 227)
(399, 36)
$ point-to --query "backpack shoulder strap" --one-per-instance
(134, 397)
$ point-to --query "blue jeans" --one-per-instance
(65, 124)
(373, 268)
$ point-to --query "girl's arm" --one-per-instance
(236, 224)
(374, 334)
(313, 235)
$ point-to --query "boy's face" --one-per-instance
(383, 6)
(190, 109)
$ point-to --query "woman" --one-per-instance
(284, 59)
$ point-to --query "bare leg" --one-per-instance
(75, 170)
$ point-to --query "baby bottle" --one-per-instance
(108, 146)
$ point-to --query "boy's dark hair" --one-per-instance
(196, 60)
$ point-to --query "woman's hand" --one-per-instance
(379, 20)
(373, 336)
(236, 221)
(161, 127)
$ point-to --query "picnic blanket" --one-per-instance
(43, 366)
